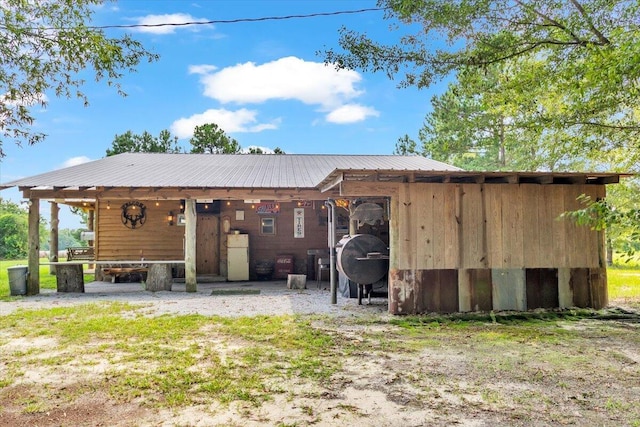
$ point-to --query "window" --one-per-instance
(268, 226)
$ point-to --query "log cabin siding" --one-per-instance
(155, 240)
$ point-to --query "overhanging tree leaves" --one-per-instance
(586, 55)
(44, 47)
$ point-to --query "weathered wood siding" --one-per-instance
(474, 226)
(506, 241)
(155, 240)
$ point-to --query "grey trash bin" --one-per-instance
(18, 279)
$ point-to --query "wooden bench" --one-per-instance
(116, 271)
(81, 253)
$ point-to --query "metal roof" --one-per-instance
(221, 170)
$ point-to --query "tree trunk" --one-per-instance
(609, 252)
(70, 278)
(159, 278)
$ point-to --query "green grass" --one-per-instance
(175, 362)
(624, 284)
(172, 361)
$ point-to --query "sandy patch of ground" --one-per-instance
(457, 382)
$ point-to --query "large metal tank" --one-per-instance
(363, 258)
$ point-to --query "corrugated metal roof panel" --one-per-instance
(220, 170)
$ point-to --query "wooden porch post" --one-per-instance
(53, 237)
(91, 221)
(190, 246)
(33, 281)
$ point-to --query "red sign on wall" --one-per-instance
(267, 208)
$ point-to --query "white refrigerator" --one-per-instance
(237, 257)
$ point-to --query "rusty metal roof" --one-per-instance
(221, 170)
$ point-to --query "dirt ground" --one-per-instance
(452, 375)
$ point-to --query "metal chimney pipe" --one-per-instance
(331, 230)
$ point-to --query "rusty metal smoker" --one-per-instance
(364, 259)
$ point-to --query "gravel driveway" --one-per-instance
(220, 298)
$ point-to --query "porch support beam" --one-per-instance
(33, 280)
(53, 238)
(190, 245)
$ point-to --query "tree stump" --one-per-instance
(69, 278)
(159, 278)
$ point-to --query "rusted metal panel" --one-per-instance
(402, 293)
(481, 294)
(423, 291)
(598, 282)
(508, 289)
(542, 288)
(579, 284)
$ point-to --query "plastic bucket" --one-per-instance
(18, 279)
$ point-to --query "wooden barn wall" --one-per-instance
(506, 241)
(155, 240)
(267, 248)
(472, 226)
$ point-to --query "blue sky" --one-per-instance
(263, 83)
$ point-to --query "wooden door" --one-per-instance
(208, 244)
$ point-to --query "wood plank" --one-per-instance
(558, 226)
(440, 225)
(460, 225)
(422, 211)
(512, 232)
(494, 225)
(574, 245)
(546, 220)
(531, 227)
(450, 226)
(207, 246)
(371, 189)
(472, 226)
(405, 229)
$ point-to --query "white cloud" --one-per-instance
(241, 120)
(25, 99)
(289, 78)
(74, 161)
(172, 18)
(351, 113)
(202, 69)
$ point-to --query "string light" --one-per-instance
(108, 205)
